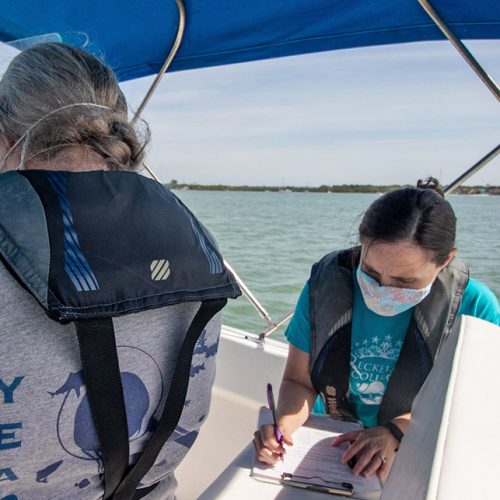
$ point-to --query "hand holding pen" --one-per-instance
(268, 440)
(272, 407)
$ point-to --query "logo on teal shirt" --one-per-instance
(372, 364)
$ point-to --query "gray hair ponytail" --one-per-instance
(48, 85)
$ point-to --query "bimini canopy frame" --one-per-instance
(472, 170)
(481, 73)
(133, 37)
(461, 48)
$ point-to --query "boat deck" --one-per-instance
(243, 367)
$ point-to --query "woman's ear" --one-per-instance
(4, 141)
(452, 254)
(4, 146)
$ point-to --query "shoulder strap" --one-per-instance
(101, 375)
(436, 314)
(330, 298)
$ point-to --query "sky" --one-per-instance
(378, 115)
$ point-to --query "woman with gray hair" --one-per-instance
(59, 104)
(110, 292)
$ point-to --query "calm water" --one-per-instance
(272, 239)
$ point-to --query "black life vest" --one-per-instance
(330, 296)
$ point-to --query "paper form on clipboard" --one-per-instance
(313, 461)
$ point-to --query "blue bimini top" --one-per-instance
(135, 37)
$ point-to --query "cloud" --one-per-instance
(381, 114)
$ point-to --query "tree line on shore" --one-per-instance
(340, 188)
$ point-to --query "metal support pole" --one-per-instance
(151, 172)
(462, 49)
(180, 32)
(250, 296)
(168, 60)
(161, 73)
(275, 326)
(471, 171)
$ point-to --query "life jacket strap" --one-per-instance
(101, 374)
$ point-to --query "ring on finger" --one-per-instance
(384, 460)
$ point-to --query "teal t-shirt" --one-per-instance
(376, 343)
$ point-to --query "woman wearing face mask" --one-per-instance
(369, 323)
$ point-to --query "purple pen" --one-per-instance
(272, 407)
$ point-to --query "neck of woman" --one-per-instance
(73, 159)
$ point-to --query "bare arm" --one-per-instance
(296, 399)
(403, 422)
(297, 394)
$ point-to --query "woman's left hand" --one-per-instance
(374, 450)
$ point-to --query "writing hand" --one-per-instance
(268, 450)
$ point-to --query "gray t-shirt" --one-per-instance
(48, 445)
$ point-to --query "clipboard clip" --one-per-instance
(307, 483)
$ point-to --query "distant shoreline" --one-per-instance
(341, 188)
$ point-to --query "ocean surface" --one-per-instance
(272, 239)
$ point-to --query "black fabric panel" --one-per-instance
(350, 258)
(106, 231)
(410, 372)
(55, 229)
(331, 372)
(101, 375)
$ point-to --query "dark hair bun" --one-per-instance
(416, 214)
(430, 183)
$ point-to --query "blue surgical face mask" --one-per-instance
(388, 300)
